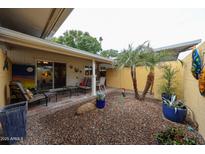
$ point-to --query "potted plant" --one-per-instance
(169, 83)
(100, 100)
(174, 110)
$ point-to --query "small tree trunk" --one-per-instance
(134, 81)
(151, 89)
(149, 83)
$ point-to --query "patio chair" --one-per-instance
(101, 84)
(85, 84)
(18, 94)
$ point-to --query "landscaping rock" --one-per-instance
(125, 120)
(85, 108)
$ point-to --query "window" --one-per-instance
(88, 70)
(102, 71)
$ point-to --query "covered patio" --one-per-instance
(46, 66)
(64, 101)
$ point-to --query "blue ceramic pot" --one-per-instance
(100, 104)
(176, 116)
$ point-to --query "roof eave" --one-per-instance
(17, 38)
(55, 20)
(175, 46)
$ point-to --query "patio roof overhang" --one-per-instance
(38, 22)
(180, 46)
(20, 39)
(175, 49)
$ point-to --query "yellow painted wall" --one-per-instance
(113, 78)
(192, 96)
(5, 77)
(142, 73)
(121, 78)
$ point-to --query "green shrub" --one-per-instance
(174, 136)
(169, 80)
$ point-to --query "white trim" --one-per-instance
(17, 38)
(67, 73)
(93, 78)
(36, 76)
(53, 77)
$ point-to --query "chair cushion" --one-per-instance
(29, 94)
(89, 82)
(84, 87)
(84, 81)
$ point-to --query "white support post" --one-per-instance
(93, 78)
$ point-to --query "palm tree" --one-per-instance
(151, 60)
(132, 58)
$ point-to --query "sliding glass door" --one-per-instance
(59, 75)
(44, 75)
(50, 75)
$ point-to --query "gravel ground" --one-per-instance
(122, 121)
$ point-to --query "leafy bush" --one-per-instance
(169, 77)
(174, 136)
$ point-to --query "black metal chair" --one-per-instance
(18, 94)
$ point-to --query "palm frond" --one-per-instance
(142, 55)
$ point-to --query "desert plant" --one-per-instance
(100, 100)
(174, 136)
(174, 102)
(169, 77)
(100, 96)
(174, 110)
(132, 58)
